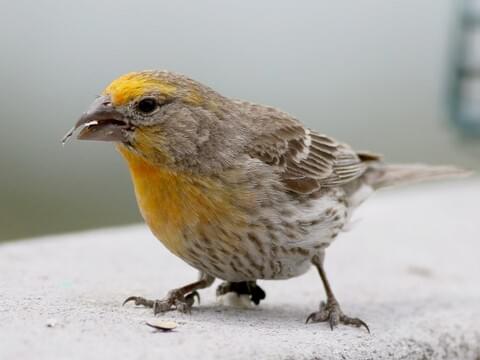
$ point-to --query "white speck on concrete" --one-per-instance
(51, 323)
(410, 269)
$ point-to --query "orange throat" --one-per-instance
(173, 203)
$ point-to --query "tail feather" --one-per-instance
(383, 175)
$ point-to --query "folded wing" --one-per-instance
(306, 159)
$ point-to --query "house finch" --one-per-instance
(239, 191)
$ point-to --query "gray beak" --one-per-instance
(101, 122)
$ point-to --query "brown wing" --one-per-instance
(307, 160)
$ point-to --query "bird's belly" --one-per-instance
(250, 261)
(271, 246)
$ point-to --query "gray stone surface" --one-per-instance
(410, 268)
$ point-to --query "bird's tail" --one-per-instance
(382, 175)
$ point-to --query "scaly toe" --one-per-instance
(173, 301)
(158, 306)
(318, 316)
(138, 300)
(333, 319)
(183, 307)
(161, 306)
(332, 314)
(354, 321)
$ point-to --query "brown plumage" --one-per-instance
(239, 191)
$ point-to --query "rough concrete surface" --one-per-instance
(410, 268)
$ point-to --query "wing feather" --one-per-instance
(305, 159)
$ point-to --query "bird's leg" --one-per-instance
(330, 311)
(180, 299)
(242, 288)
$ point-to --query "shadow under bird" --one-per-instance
(239, 191)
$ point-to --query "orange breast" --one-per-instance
(173, 202)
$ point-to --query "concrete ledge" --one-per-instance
(410, 268)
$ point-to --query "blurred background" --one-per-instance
(389, 76)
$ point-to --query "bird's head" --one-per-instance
(167, 119)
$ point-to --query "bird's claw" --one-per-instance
(173, 301)
(138, 300)
(332, 313)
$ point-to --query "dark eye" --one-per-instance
(147, 105)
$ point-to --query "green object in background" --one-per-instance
(465, 75)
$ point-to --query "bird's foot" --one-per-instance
(175, 300)
(332, 313)
(250, 288)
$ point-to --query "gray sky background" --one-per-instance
(372, 73)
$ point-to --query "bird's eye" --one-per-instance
(147, 105)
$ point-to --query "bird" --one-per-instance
(239, 191)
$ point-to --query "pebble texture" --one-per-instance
(410, 268)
